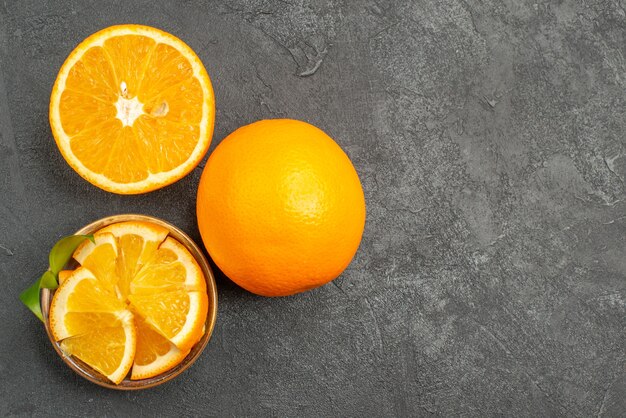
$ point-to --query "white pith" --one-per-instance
(128, 110)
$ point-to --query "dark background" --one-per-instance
(490, 140)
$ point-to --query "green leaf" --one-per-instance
(30, 298)
(63, 250)
(58, 258)
(48, 280)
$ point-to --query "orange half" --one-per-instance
(132, 109)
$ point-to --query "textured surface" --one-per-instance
(490, 139)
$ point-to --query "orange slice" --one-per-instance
(169, 293)
(92, 325)
(155, 354)
(99, 258)
(108, 350)
(137, 242)
(171, 268)
(179, 316)
(132, 109)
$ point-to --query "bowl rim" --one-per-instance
(85, 371)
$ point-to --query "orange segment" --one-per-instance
(96, 113)
(167, 67)
(178, 316)
(99, 258)
(92, 145)
(79, 323)
(130, 55)
(137, 243)
(126, 158)
(92, 325)
(171, 268)
(132, 109)
(175, 142)
(155, 354)
(81, 297)
(92, 74)
(180, 101)
(108, 350)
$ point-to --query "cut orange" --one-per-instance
(108, 350)
(137, 244)
(179, 315)
(99, 258)
(132, 109)
(155, 354)
(134, 276)
(92, 325)
(171, 268)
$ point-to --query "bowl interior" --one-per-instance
(92, 375)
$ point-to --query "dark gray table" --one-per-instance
(490, 139)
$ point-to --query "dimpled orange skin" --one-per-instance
(280, 207)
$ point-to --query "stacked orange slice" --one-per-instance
(138, 301)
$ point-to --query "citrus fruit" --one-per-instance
(155, 354)
(93, 325)
(132, 276)
(99, 257)
(178, 316)
(132, 109)
(171, 268)
(280, 207)
(138, 242)
(169, 292)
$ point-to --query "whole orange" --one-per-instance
(280, 207)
